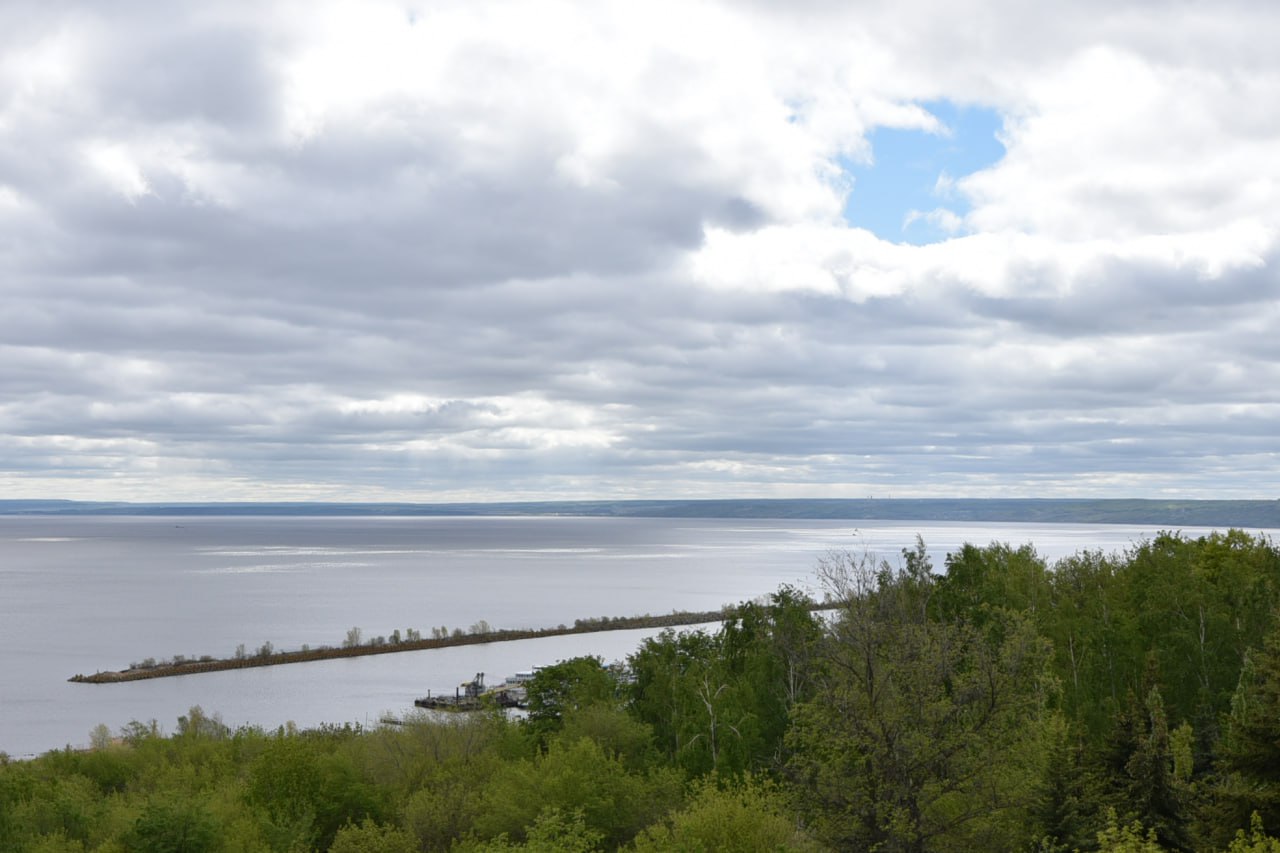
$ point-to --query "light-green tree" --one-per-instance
(100, 737)
(1127, 838)
(370, 837)
(578, 776)
(1257, 841)
(741, 817)
(197, 724)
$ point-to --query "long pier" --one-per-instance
(501, 635)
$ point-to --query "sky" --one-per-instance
(395, 251)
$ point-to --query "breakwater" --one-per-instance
(170, 669)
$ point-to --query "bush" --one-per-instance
(743, 818)
(169, 826)
(370, 837)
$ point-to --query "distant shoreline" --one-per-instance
(582, 626)
(1169, 514)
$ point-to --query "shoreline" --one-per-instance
(501, 635)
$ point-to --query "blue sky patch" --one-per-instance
(906, 165)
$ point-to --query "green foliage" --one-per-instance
(1065, 805)
(770, 655)
(306, 792)
(370, 837)
(1257, 841)
(100, 737)
(926, 733)
(440, 767)
(174, 826)
(553, 831)
(667, 669)
(444, 811)
(196, 724)
(566, 687)
(615, 731)
(1182, 742)
(135, 732)
(56, 844)
(1193, 607)
(1130, 838)
(721, 702)
(1248, 784)
(997, 576)
(746, 816)
(1085, 622)
(1154, 795)
(576, 776)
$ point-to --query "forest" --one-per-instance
(1126, 703)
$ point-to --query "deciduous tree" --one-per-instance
(925, 734)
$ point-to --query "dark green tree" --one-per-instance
(686, 693)
(1086, 619)
(308, 790)
(926, 734)
(173, 826)
(1066, 805)
(1158, 800)
(997, 576)
(1249, 754)
(722, 702)
(566, 687)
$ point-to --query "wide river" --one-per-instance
(82, 594)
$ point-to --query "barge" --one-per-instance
(473, 696)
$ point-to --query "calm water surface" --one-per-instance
(79, 595)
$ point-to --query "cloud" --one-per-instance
(502, 250)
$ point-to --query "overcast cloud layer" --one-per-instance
(376, 251)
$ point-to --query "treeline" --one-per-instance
(1126, 703)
